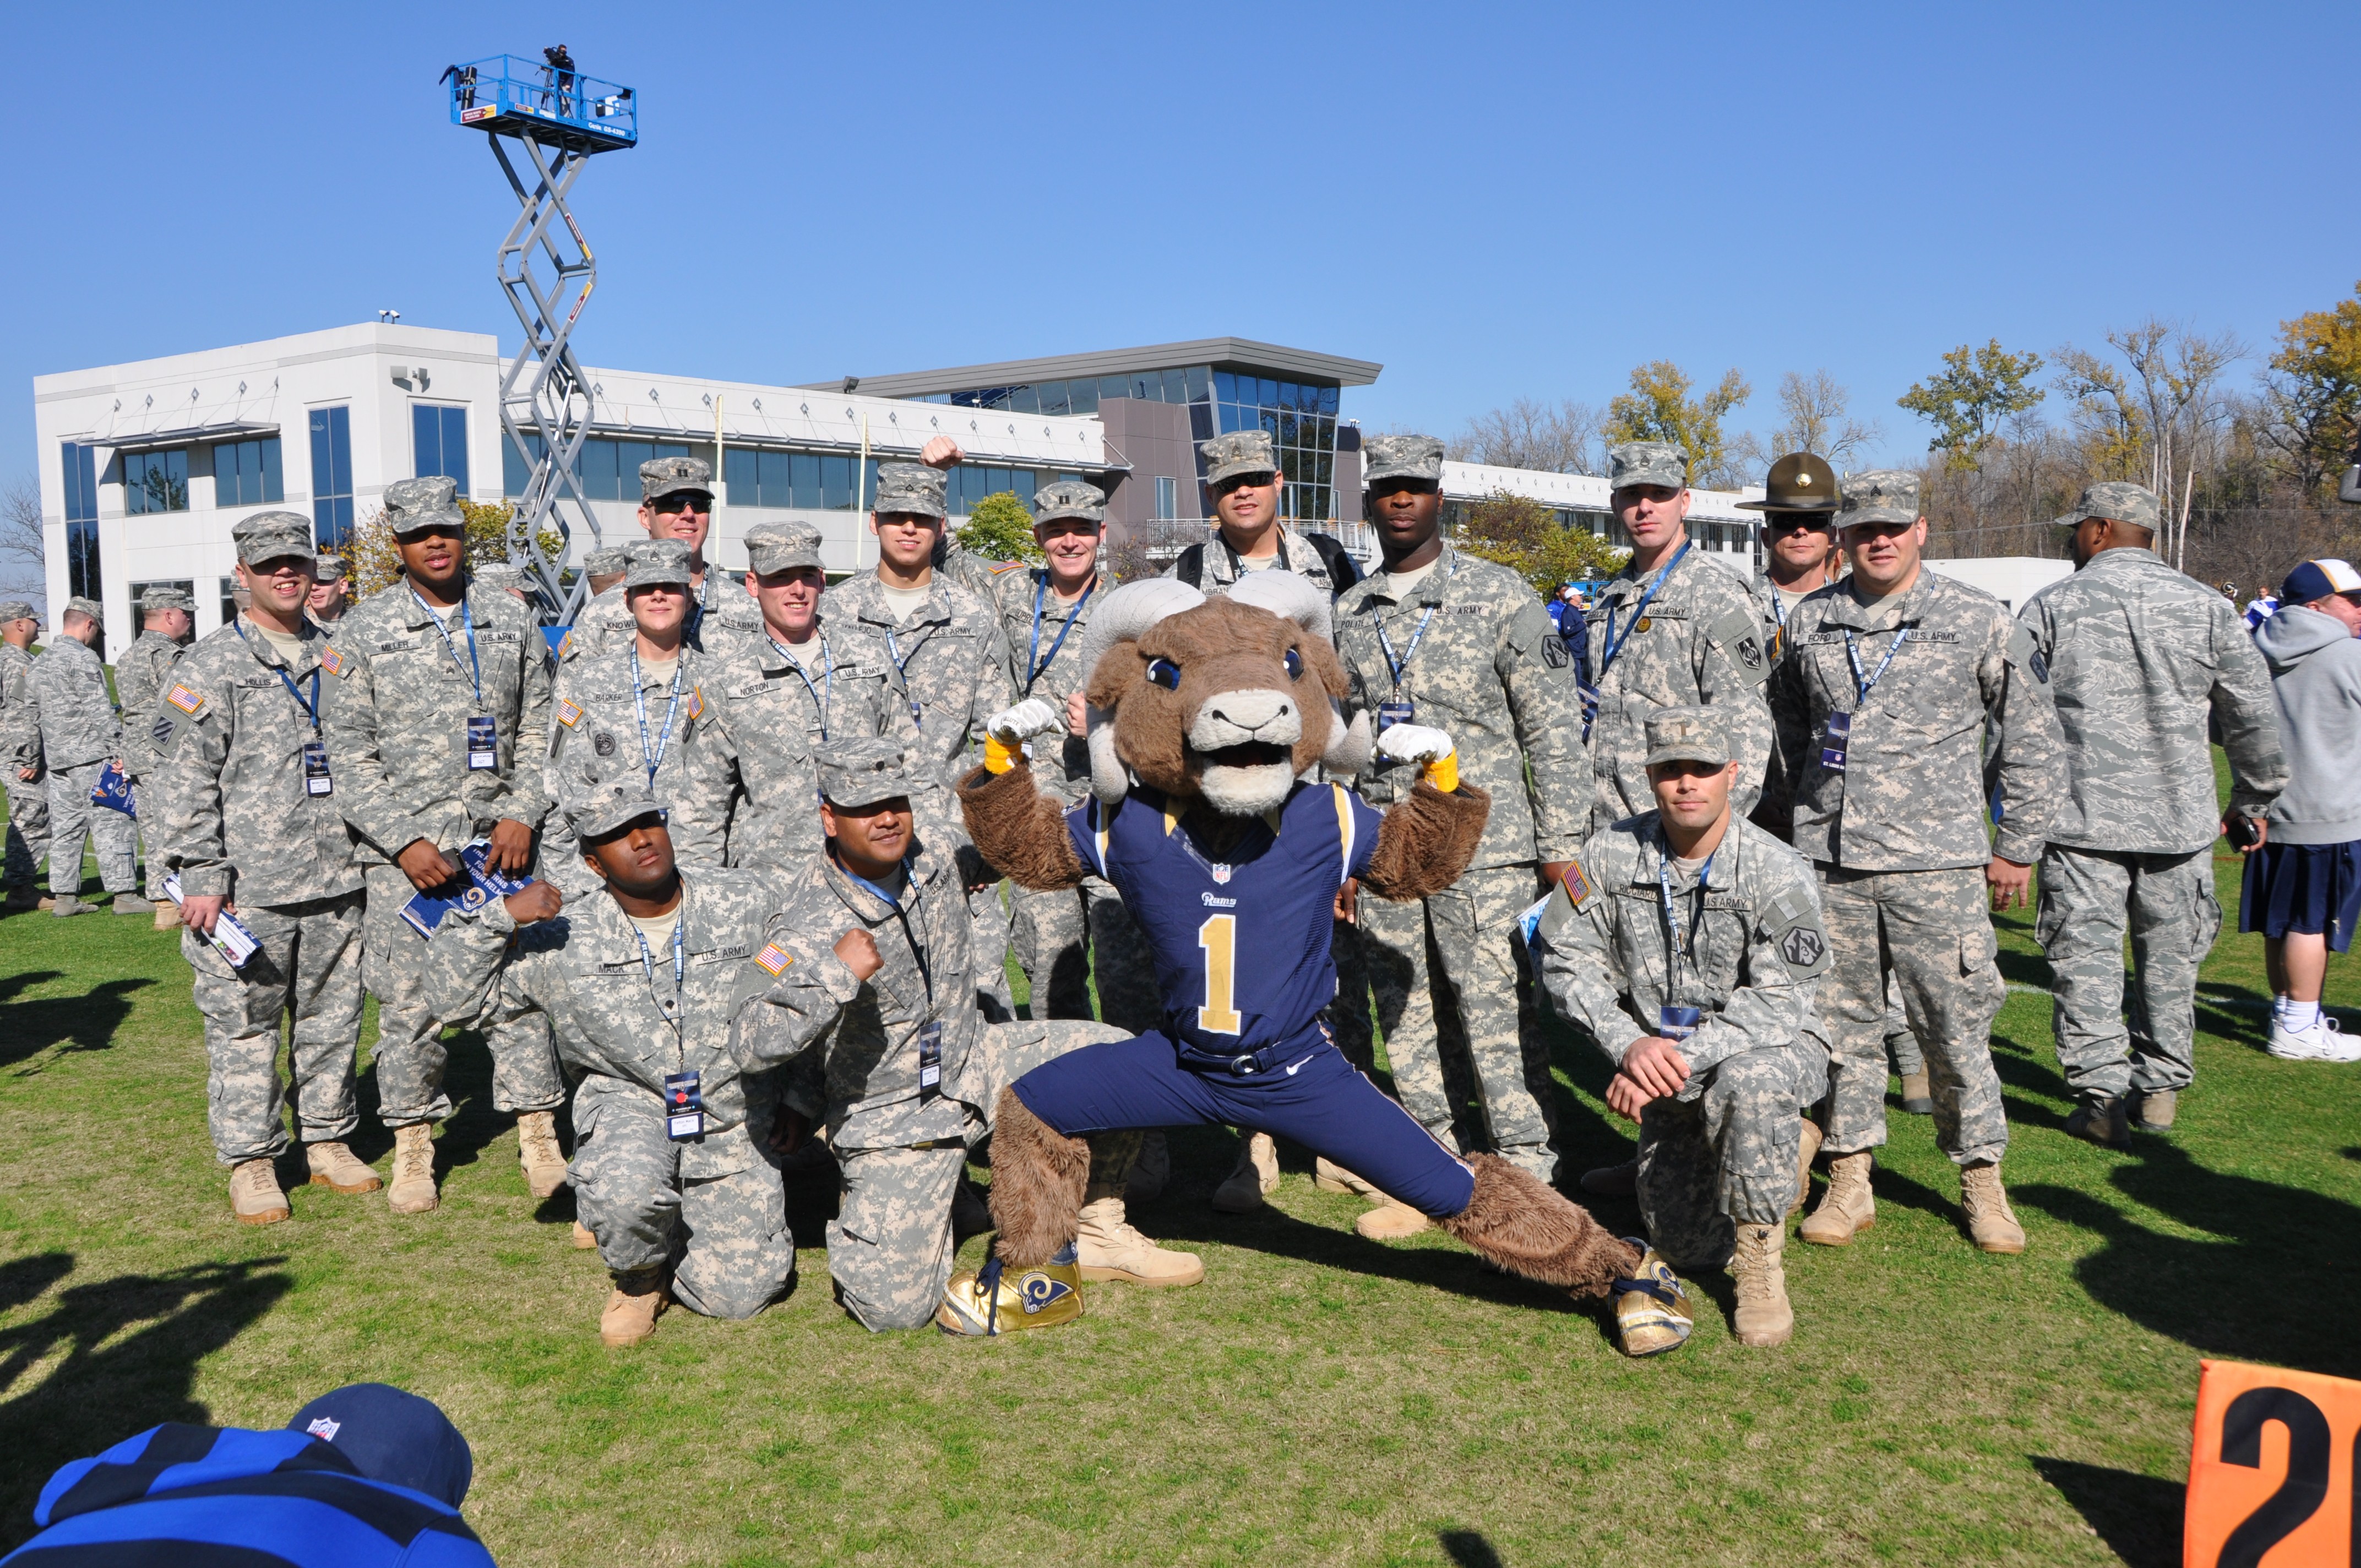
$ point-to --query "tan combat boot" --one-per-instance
(413, 1191)
(2104, 1120)
(1991, 1224)
(1109, 1247)
(1808, 1150)
(1330, 1177)
(254, 1194)
(1847, 1208)
(168, 915)
(1764, 1318)
(1613, 1181)
(1252, 1179)
(1388, 1221)
(2157, 1107)
(583, 1240)
(638, 1300)
(336, 1167)
(537, 1151)
(1917, 1093)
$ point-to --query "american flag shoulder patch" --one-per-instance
(697, 702)
(774, 957)
(184, 699)
(566, 644)
(332, 660)
(1578, 884)
(568, 714)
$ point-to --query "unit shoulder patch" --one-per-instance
(1737, 633)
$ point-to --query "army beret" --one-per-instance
(662, 476)
(1401, 457)
(910, 488)
(864, 773)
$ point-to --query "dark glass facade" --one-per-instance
(332, 476)
(81, 463)
(155, 481)
(246, 473)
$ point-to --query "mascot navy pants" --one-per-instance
(1309, 1094)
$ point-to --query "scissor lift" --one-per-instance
(546, 119)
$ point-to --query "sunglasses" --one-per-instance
(681, 501)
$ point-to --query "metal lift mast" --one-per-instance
(545, 121)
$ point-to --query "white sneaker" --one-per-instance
(2323, 1041)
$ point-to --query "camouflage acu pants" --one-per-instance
(409, 1054)
(988, 930)
(2089, 897)
(149, 805)
(1067, 940)
(309, 965)
(1901, 1046)
(1473, 926)
(73, 818)
(29, 831)
(1933, 930)
(1722, 1153)
(713, 1207)
(889, 1248)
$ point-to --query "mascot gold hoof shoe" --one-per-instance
(997, 1299)
(1652, 1310)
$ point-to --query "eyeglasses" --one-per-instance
(1792, 521)
(680, 502)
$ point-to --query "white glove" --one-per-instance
(1413, 743)
(1014, 726)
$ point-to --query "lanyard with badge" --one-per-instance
(1613, 646)
(902, 668)
(483, 731)
(654, 760)
(683, 1098)
(930, 1033)
(1401, 709)
(822, 694)
(1033, 662)
(1838, 738)
(1677, 1022)
(316, 780)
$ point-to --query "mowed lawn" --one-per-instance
(1318, 1399)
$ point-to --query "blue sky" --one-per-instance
(1493, 201)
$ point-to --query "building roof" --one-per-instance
(1580, 492)
(1294, 364)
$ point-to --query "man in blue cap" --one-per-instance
(363, 1476)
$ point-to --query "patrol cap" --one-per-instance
(1238, 451)
(911, 489)
(413, 506)
(161, 597)
(2318, 579)
(80, 606)
(1879, 495)
(1689, 734)
(613, 561)
(1647, 463)
(501, 574)
(781, 547)
(1797, 482)
(2117, 499)
(17, 610)
(268, 535)
(328, 568)
(865, 772)
(611, 805)
(1069, 497)
(393, 1436)
(657, 562)
(661, 476)
(1401, 457)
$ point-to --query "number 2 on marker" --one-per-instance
(1219, 938)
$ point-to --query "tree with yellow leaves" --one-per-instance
(1659, 408)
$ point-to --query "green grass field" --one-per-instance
(1318, 1399)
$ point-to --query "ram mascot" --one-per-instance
(1205, 717)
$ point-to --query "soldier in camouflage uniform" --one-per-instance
(20, 754)
(1687, 942)
(676, 503)
(330, 591)
(639, 708)
(1064, 939)
(245, 814)
(2140, 658)
(913, 1070)
(438, 721)
(605, 569)
(1671, 629)
(166, 616)
(640, 981)
(1459, 644)
(1881, 703)
(1243, 472)
(79, 735)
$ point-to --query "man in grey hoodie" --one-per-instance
(2303, 889)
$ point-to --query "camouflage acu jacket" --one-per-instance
(78, 722)
(596, 733)
(1045, 660)
(948, 665)
(140, 682)
(604, 623)
(20, 713)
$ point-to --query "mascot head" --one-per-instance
(1227, 700)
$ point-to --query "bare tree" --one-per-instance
(1561, 438)
(2179, 376)
(1813, 418)
(21, 552)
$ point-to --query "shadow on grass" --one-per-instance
(2250, 1289)
(86, 1022)
(2138, 1517)
(1468, 1549)
(106, 1383)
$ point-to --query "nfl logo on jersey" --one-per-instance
(1221, 873)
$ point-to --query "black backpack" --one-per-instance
(1342, 571)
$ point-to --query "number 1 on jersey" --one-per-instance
(1219, 938)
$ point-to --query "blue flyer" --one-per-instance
(425, 911)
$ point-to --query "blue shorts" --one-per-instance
(2303, 889)
(1314, 1099)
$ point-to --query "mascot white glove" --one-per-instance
(1008, 730)
(1432, 749)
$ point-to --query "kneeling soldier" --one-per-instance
(244, 791)
(639, 983)
(1686, 941)
(913, 1070)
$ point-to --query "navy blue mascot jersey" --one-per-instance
(1241, 942)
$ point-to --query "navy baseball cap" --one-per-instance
(2318, 579)
(392, 1436)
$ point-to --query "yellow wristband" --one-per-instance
(998, 755)
(1444, 772)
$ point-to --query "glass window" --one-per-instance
(1113, 387)
(1167, 497)
(741, 478)
(155, 481)
(803, 478)
(1024, 400)
(1286, 394)
(516, 470)
(1226, 387)
(246, 473)
(1328, 398)
(81, 463)
(835, 482)
(1054, 399)
(332, 476)
(776, 491)
(1082, 397)
(438, 443)
(228, 599)
(1174, 387)
(1266, 392)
